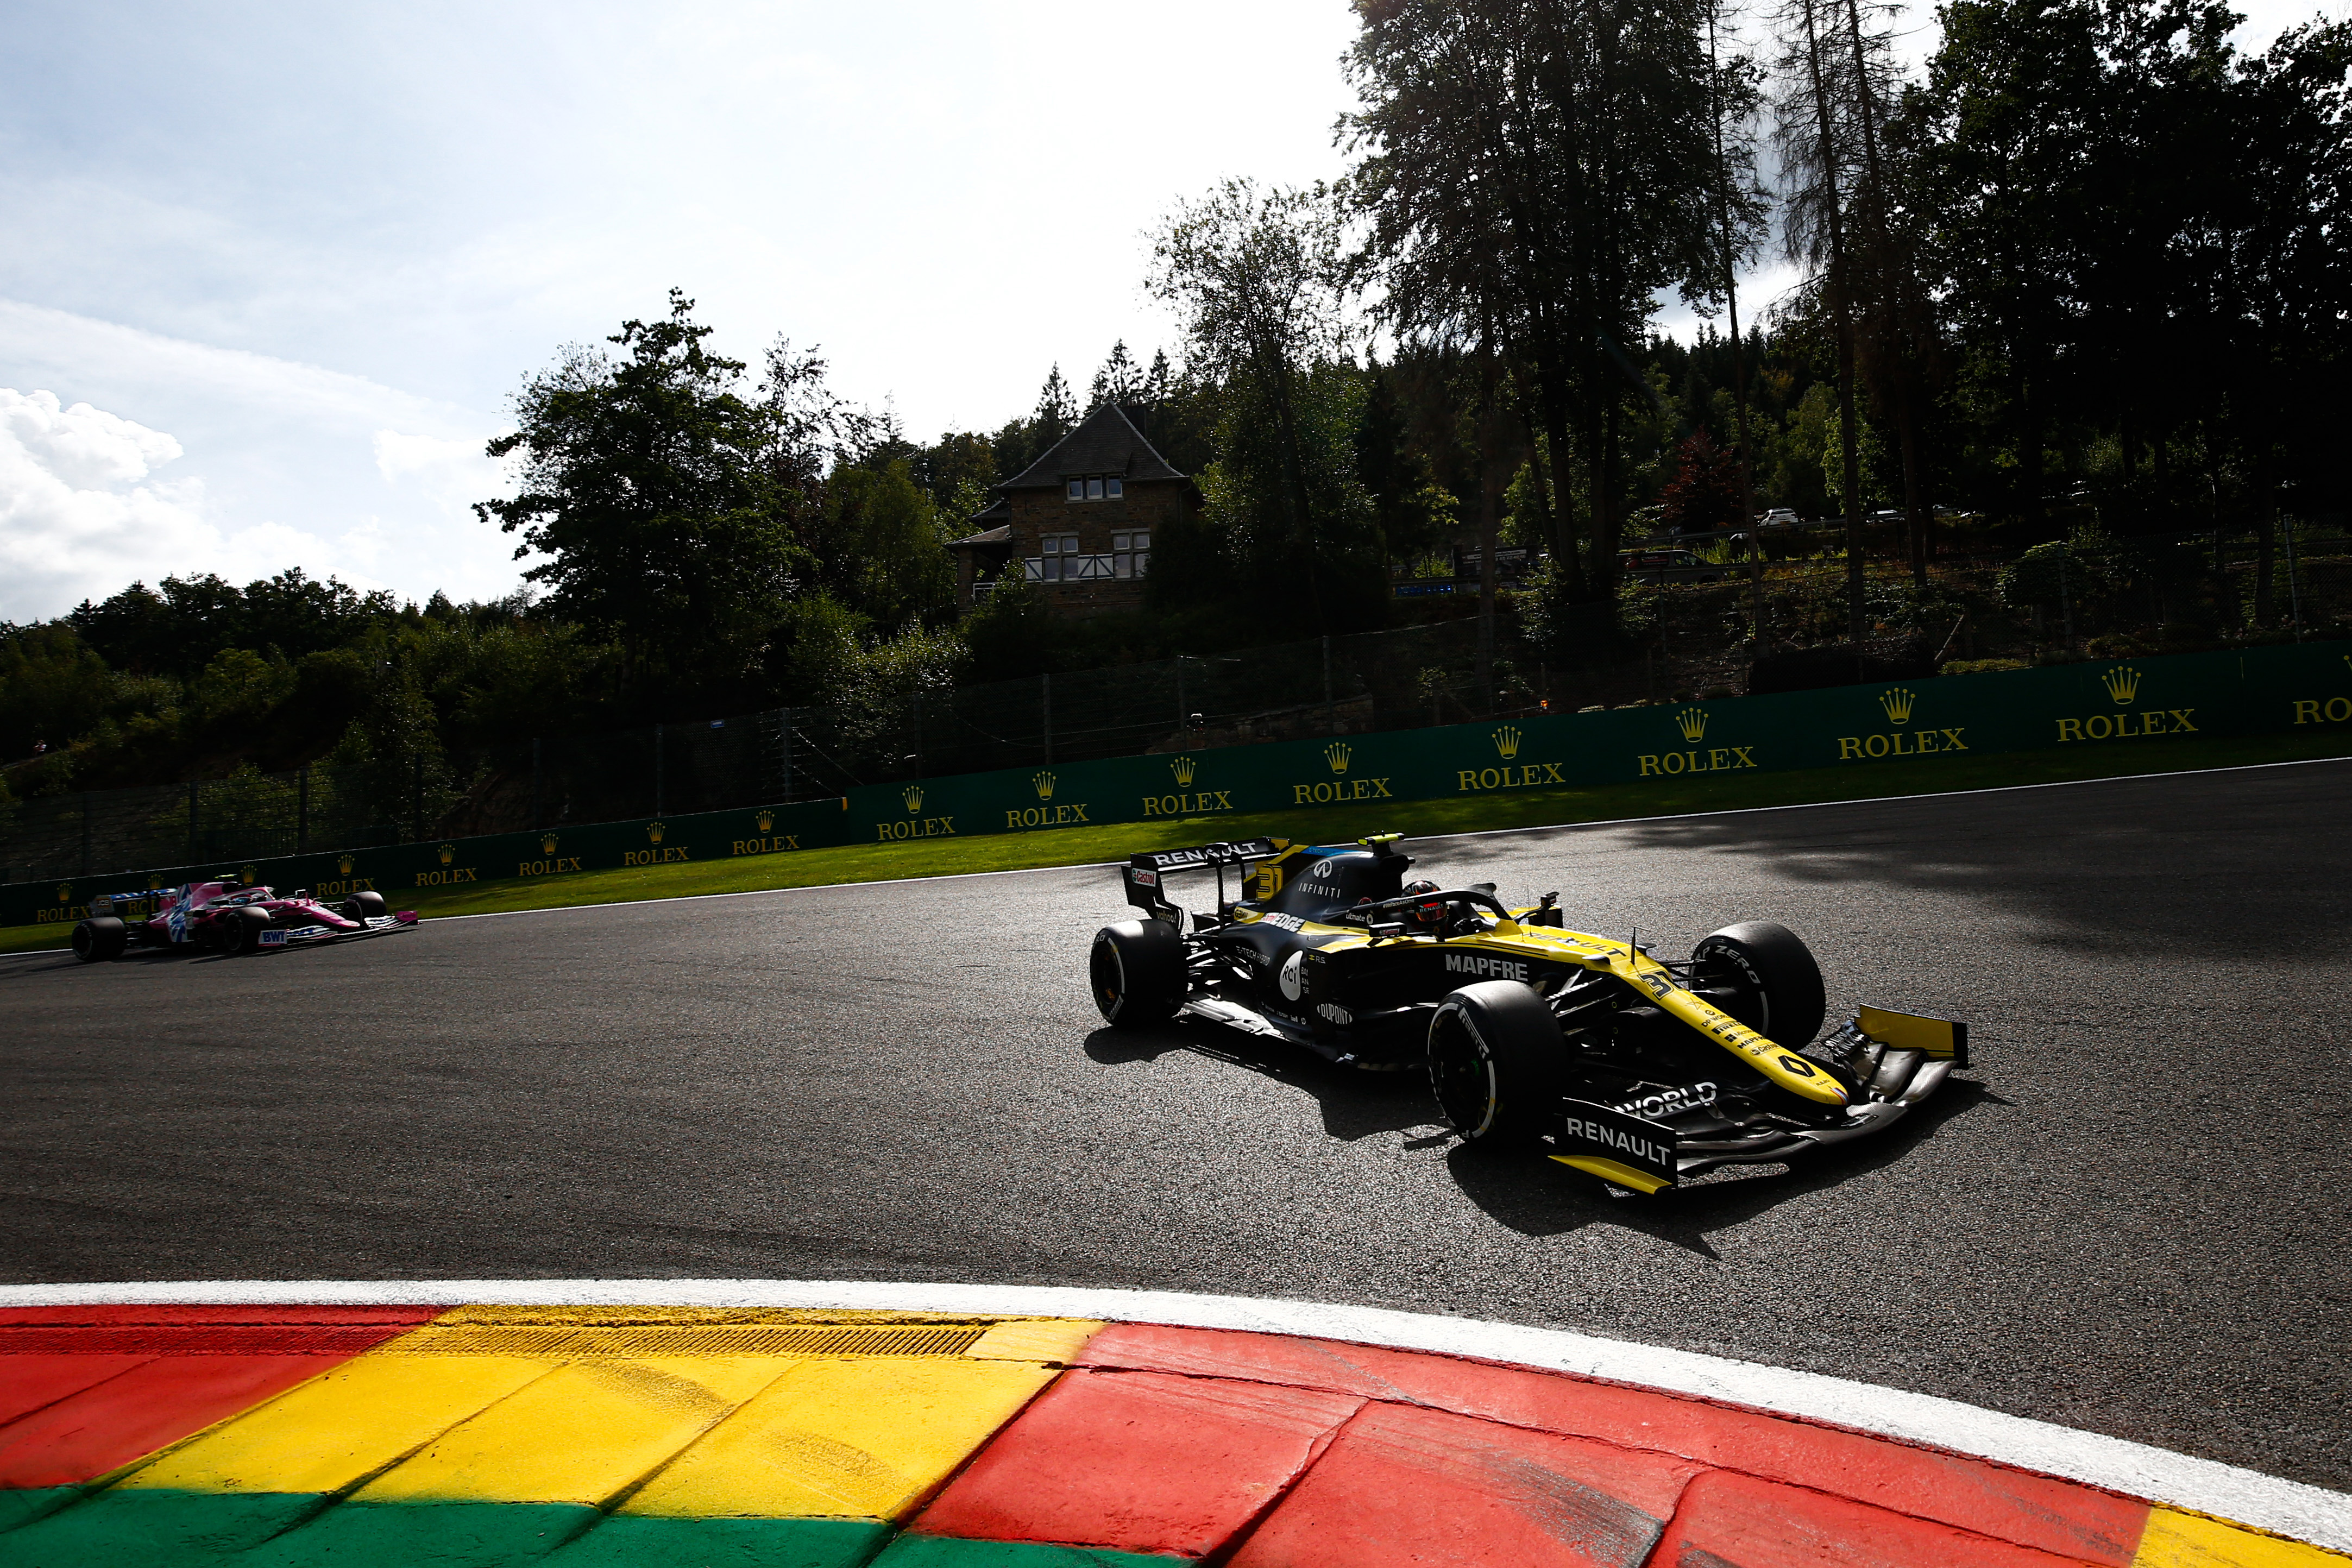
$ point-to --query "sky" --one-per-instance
(269, 273)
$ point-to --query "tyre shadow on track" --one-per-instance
(1355, 1104)
(1539, 1196)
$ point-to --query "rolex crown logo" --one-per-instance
(547, 844)
(1506, 741)
(1692, 722)
(1897, 704)
(343, 864)
(252, 874)
(448, 853)
(1182, 768)
(767, 820)
(1338, 755)
(913, 795)
(653, 833)
(64, 893)
(2121, 683)
(1044, 783)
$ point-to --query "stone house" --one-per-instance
(1078, 523)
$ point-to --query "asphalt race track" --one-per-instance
(2131, 1217)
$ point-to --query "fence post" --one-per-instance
(85, 832)
(302, 809)
(2293, 589)
(192, 821)
(1045, 704)
(1326, 683)
(784, 731)
(1183, 722)
(538, 816)
(660, 776)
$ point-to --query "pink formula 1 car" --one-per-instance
(228, 917)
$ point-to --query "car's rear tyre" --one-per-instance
(1137, 971)
(1775, 981)
(99, 937)
(241, 932)
(361, 906)
(1496, 1062)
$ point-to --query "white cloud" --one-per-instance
(72, 511)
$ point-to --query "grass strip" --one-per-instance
(1415, 819)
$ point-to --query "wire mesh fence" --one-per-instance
(1662, 641)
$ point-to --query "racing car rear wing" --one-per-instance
(1143, 872)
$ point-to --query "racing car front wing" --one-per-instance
(1896, 1059)
(304, 935)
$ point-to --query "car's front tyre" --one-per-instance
(1495, 1064)
(1773, 976)
(242, 931)
(1137, 972)
(362, 906)
(101, 938)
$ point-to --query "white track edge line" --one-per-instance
(2270, 1503)
(1419, 838)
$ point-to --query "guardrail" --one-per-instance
(2117, 703)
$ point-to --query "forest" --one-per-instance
(2081, 283)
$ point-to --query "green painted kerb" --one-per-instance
(2258, 691)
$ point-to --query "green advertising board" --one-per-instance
(1884, 729)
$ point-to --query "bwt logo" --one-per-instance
(448, 853)
(1692, 722)
(1490, 969)
(913, 795)
(1506, 742)
(1045, 785)
(1182, 768)
(1897, 704)
(2122, 683)
(1338, 755)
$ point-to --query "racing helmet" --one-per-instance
(1430, 914)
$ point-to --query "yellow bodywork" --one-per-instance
(1514, 937)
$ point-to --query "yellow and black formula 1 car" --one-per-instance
(1639, 1071)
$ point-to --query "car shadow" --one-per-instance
(1355, 1104)
(1536, 1196)
(1526, 1191)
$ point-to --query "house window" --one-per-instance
(1094, 490)
(1058, 549)
(1077, 489)
(1111, 488)
(1100, 488)
(1130, 553)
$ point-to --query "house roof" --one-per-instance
(1105, 442)
(999, 535)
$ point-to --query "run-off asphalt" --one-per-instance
(2130, 1217)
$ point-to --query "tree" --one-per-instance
(1524, 173)
(663, 492)
(1117, 382)
(1254, 274)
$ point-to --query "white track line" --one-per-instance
(2201, 1486)
(1419, 838)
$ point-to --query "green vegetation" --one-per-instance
(1416, 818)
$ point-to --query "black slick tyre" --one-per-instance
(362, 906)
(1137, 972)
(241, 933)
(1777, 982)
(101, 938)
(1496, 1061)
